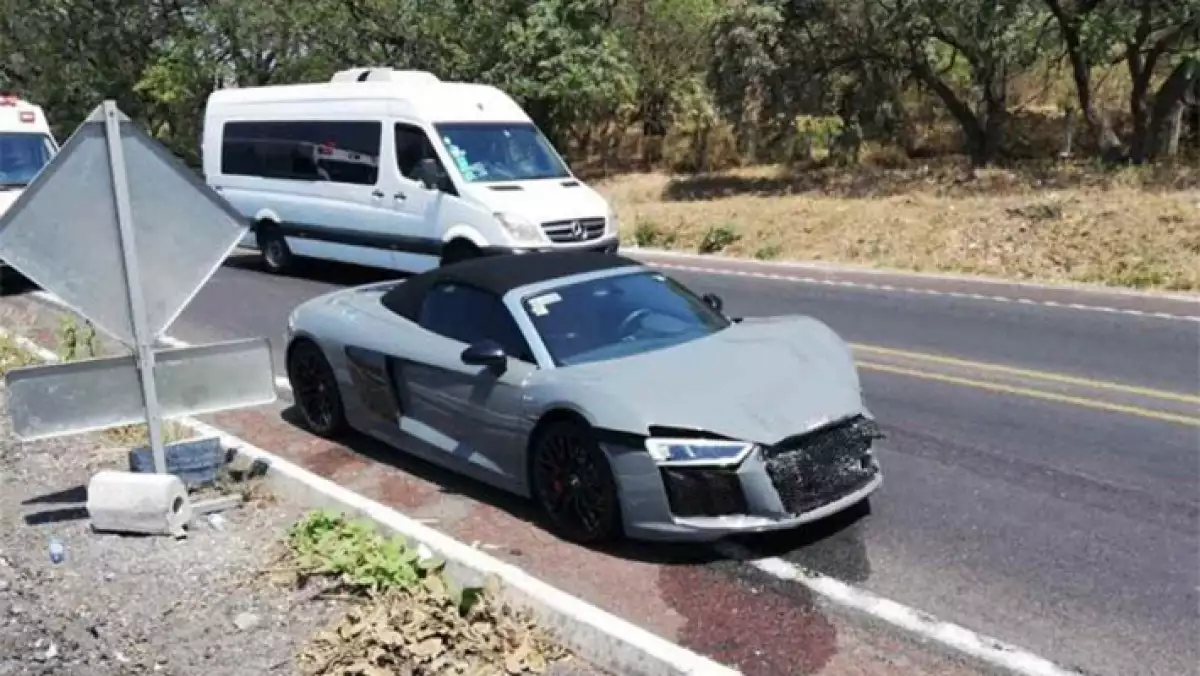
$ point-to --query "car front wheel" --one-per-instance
(573, 484)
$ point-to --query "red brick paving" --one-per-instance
(764, 631)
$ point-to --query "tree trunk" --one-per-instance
(1166, 110)
(979, 141)
(1081, 70)
(1139, 109)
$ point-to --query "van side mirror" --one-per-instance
(427, 173)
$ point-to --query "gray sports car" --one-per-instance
(614, 397)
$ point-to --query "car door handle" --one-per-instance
(399, 196)
(377, 193)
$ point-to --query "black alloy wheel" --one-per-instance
(573, 484)
(315, 388)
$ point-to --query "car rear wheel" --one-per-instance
(316, 390)
(573, 484)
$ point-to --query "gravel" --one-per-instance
(133, 605)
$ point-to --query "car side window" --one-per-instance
(412, 146)
(469, 315)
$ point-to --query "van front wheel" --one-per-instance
(459, 250)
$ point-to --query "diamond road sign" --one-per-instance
(63, 231)
(124, 233)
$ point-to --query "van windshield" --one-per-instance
(500, 151)
(22, 156)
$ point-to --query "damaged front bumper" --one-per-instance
(796, 481)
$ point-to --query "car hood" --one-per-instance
(542, 201)
(761, 380)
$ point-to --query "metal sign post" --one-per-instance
(126, 234)
(144, 346)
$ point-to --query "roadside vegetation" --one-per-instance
(409, 618)
(1049, 139)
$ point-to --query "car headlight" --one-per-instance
(698, 451)
(521, 229)
(612, 224)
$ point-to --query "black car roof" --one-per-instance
(498, 275)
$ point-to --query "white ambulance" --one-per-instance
(395, 169)
(26, 146)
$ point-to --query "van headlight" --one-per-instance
(698, 451)
(612, 224)
(521, 229)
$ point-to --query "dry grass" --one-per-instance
(1051, 222)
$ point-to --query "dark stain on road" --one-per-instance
(760, 624)
(750, 626)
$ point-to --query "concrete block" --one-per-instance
(131, 502)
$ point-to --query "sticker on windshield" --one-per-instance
(540, 306)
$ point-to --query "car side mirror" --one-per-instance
(487, 353)
(713, 301)
(427, 173)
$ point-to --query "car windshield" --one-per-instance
(496, 152)
(619, 316)
(22, 156)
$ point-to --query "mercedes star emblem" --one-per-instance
(577, 230)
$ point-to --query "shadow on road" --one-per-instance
(325, 272)
(835, 543)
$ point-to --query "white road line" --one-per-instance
(867, 286)
(983, 648)
(834, 268)
(989, 650)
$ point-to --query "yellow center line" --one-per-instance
(1028, 373)
(1036, 394)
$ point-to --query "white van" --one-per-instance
(26, 146)
(394, 169)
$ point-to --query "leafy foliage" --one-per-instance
(414, 621)
(13, 355)
(724, 78)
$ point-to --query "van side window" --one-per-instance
(412, 146)
(335, 151)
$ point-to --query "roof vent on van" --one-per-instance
(384, 74)
(570, 184)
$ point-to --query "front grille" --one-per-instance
(696, 491)
(565, 231)
(814, 469)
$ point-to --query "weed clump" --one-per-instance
(412, 620)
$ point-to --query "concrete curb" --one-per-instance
(599, 637)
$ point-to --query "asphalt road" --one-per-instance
(1066, 528)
